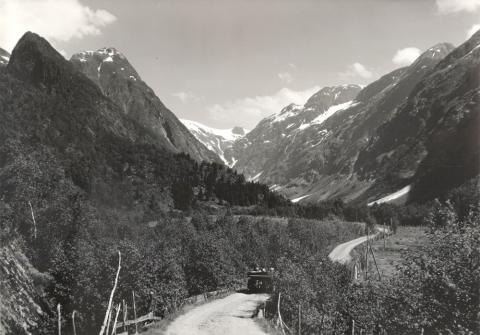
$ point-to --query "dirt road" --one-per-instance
(231, 315)
(341, 253)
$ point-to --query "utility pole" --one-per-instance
(375, 262)
(366, 256)
(384, 233)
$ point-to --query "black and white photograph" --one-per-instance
(239, 167)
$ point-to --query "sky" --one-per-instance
(230, 63)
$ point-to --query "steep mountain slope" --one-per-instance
(119, 81)
(262, 151)
(433, 141)
(375, 145)
(219, 141)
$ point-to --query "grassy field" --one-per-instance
(389, 252)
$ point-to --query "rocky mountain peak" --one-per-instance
(238, 130)
(437, 52)
(430, 57)
(34, 59)
(332, 95)
(103, 64)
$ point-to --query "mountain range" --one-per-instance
(411, 135)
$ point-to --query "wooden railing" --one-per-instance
(146, 317)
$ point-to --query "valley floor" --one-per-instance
(390, 254)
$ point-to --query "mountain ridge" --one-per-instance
(111, 71)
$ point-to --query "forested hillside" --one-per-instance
(90, 173)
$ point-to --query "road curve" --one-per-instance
(231, 315)
(341, 253)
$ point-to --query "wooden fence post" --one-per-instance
(73, 323)
(135, 312)
(280, 321)
(125, 314)
(109, 307)
(114, 330)
(299, 320)
(59, 317)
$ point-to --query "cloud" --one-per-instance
(57, 20)
(455, 6)
(285, 77)
(406, 56)
(250, 110)
(355, 71)
(473, 29)
(187, 97)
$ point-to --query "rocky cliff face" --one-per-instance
(119, 81)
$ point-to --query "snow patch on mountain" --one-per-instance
(4, 57)
(300, 198)
(216, 140)
(332, 110)
(392, 196)
(255, 178)
(289, 111)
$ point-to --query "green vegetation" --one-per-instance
(435, 290)
(174, 259)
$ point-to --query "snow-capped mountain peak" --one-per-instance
(105, 62)
(217, 140)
